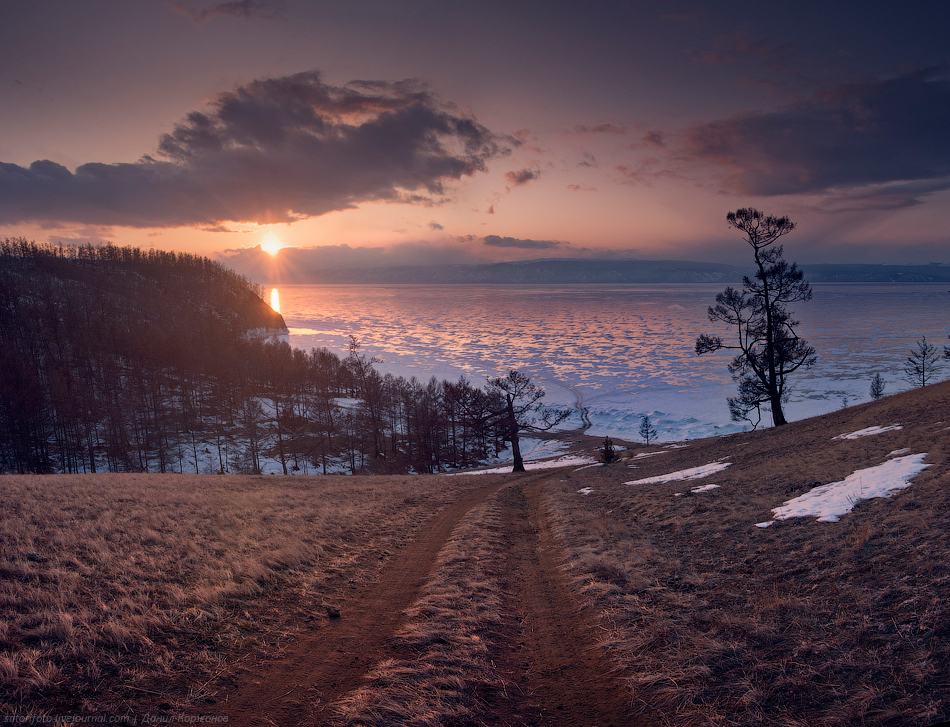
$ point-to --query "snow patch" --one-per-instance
(705, 488)
(831, 501)
(346, 402)
(868, 431)
(641, 455)
(549, 464)
(586, 490)
(693, 473)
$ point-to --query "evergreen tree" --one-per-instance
(877, 387)
(648, 432)
(768, 345)
(922, 364)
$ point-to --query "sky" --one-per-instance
(387, 132)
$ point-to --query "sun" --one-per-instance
(271, 245)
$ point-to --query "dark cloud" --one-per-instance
(602, 128)
(496, 241)
(274, 150)
(880, 132)
(645, 171)
(522, 176)
(435, 226)
(893, 196)
(739, 44)
(526, 139)
(581, 188)
(267, 9)
(589, 160)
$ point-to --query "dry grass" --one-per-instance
(448, 673)
(118, 588)
(718, 622)
(148, 587)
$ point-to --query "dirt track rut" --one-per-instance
(569, 677)
(555, 662)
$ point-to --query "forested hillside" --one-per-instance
(126, 360)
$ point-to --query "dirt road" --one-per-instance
(559, 674)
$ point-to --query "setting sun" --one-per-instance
(271, 245)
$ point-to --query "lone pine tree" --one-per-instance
(769, 349)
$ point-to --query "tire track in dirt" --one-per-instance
(323, 665)
(570, 679)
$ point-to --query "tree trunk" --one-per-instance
(513, 433)
(778, 416)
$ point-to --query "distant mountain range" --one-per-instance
(580, 271)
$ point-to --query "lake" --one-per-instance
(620, 351)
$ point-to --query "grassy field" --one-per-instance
(118, 591)
(720, 622)
(116, 588)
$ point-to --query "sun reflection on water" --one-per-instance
(275, 300)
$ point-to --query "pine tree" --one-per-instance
(768, 345)
(647, 431)
(877, 387)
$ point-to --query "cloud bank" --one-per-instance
(267, 9)
(496, 241)
(890, 133)
(274, 150)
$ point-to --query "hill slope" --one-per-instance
(706, 618)
(94, 337)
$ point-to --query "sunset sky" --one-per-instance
(416, 131)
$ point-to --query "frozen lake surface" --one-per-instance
(619, 351)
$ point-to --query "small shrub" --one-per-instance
(607, 452)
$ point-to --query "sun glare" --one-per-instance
(275, 300)
(271, 245)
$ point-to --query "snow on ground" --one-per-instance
(586, 490)
(641, 455)
(704, 488)
(694, 473)
(533, 451)
(869, 431)
(347, 402)
(566, 461)
(829, 502)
